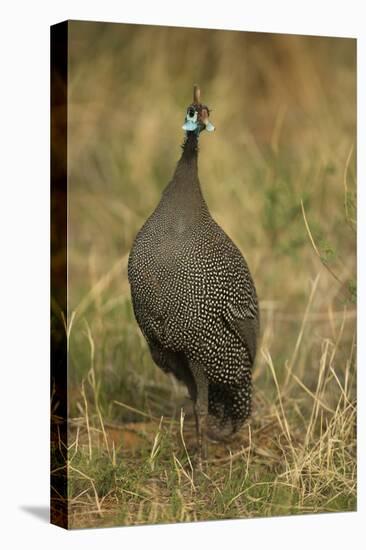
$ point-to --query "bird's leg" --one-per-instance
(200, 412)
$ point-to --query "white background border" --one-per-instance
(24, 271)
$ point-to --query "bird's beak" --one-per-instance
(197, 116)
(191, 121)
(198, 122)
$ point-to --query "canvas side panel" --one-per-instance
(59, 64)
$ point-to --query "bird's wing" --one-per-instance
(244, 322)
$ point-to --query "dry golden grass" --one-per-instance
(296, 455)
(279, 176)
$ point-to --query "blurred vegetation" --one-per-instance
(279, 177)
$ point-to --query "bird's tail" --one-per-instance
(228, 407)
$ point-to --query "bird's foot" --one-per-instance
(200, 456)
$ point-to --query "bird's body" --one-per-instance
(194, 299)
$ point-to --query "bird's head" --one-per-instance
(197, 115)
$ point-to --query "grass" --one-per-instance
(279, 176)
(296, 455)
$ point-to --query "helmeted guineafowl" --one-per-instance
(193, 296)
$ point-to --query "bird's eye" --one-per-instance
(191, 112)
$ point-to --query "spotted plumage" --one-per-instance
(195, 301)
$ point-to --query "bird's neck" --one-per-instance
(185, 181)
(182, 201)
(190, 150)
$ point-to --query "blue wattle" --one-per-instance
(189, 126)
